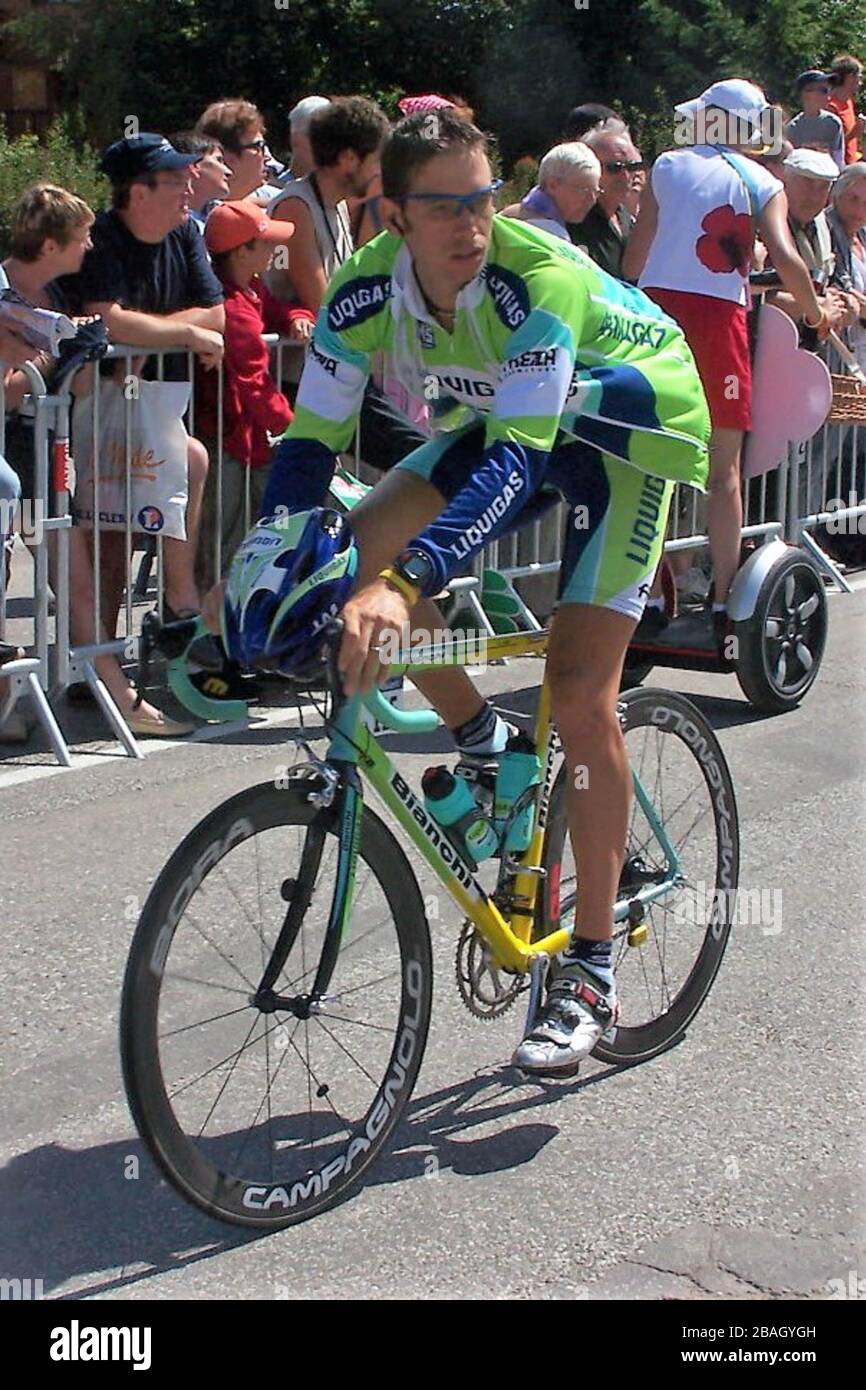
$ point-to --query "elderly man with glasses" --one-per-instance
(568, 184)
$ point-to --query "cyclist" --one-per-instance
(546, 376)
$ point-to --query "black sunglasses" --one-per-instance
(261, 145)
(616, 166)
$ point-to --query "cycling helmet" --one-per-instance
(288, 580)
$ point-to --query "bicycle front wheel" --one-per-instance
(258, 1114)
(664, 978)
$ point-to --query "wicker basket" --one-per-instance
(849, 401)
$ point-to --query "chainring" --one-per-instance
(486, 991)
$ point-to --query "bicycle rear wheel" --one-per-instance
(259, 1115)
(662, 983)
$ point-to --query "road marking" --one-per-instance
(208, 733)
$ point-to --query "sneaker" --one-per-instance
(575, 1015)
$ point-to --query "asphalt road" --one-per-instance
(732, 1166)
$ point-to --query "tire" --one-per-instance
(779, 648)
(204, 936)
(634, 672)
(655, 1014)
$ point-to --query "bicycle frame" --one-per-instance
(354, 749)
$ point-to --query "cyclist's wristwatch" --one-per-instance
(411, 573)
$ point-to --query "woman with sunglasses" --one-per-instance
(239, 127)
(817, 126)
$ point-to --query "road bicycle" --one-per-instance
(277, 996)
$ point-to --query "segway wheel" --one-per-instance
(781, 645)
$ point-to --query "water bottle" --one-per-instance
(519, 768)
(450, 802)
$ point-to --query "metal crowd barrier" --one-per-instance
(821, 481)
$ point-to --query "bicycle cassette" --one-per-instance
(486, 990)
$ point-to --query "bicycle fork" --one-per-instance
(299, 891)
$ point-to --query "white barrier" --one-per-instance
(806, 491)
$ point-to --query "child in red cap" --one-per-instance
(242, 239)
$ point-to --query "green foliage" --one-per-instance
(524, 176)
(59, 158)
(164, 61)
(522, 63)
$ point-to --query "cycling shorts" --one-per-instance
(616, 527)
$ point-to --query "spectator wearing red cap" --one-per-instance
(241, 239)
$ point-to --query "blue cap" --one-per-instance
(806, 79)
(139, 155)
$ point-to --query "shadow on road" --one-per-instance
(74, 1216)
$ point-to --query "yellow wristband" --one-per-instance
(409, 592)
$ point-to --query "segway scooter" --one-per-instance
(777, 605)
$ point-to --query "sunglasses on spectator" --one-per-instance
(817, 87)
(616, 166)
(259, 145)
(447, 207)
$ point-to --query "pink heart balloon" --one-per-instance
(791, 393)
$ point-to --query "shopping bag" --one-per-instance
(157, 458)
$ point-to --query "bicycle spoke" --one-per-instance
(214, 1018)
(349, 1054)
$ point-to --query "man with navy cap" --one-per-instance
(149, 277)
(816, 127)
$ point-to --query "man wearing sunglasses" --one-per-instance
(606, 227)
(547, 378)
(816, 127)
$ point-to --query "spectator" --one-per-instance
(816, 126)
(346, 138)
(422, 105)
(149, 278)
(239, 127)
(589, 116)
(772, 158)
(211, 174)
(809, 176)
(845, 75)
(568, 183)
(692, 250)
(50, 236)
(605, 229)
(241, 240)
(847, 221)
(299, 134)
(364, 212)
(636, 186)
(14, 352)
